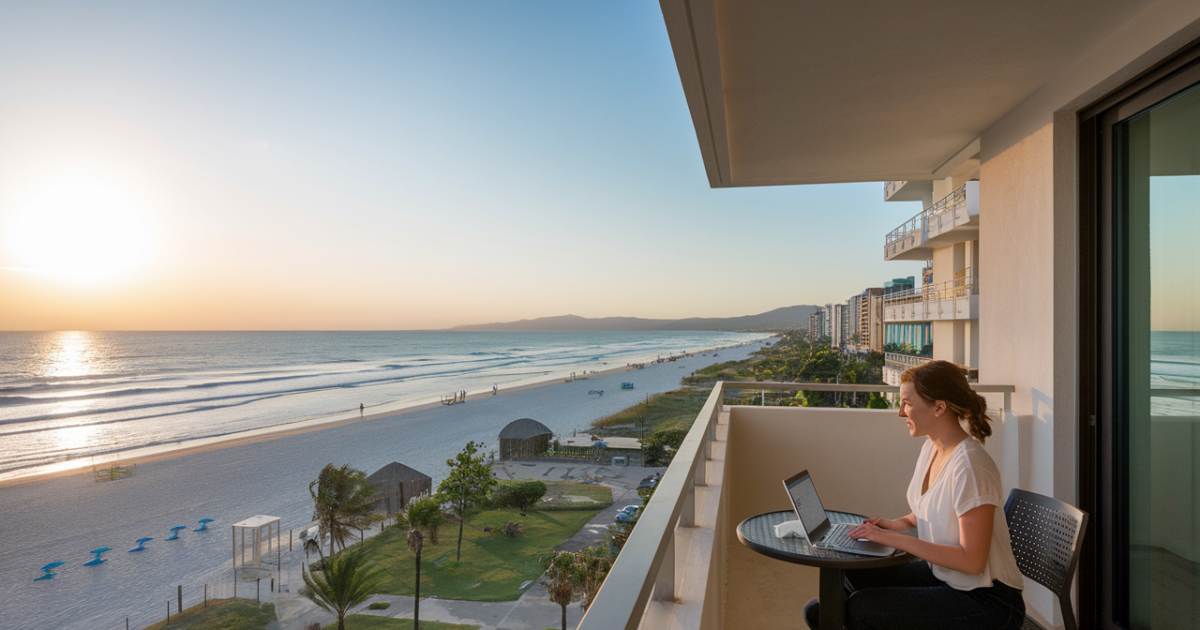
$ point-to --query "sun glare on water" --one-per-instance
(77, 228)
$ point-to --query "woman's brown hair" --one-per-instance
(944, 381)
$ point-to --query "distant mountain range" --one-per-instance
(786, 318)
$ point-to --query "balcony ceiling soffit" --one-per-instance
(822, 92)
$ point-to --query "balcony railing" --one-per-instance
(963, 285)
(673, 568)
(904, 361)
(953, 210)
(899, 361)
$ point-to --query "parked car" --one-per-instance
(631, 509)
(648, 482)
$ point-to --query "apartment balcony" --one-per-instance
(907, 191)
(683, 566)
(955, 299)
(895, 363)
(954, 219)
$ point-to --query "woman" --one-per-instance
(966, 577)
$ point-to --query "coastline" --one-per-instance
(59, 518)
(160, 452)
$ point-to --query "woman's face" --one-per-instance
(919, 415)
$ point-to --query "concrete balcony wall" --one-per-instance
(909, 191)
(958, 309)
(861, 461)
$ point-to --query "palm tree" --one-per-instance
(425, 513)
(561, 571)
(342, 583)
(415, 543)
(343, 500)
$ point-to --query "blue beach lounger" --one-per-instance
(141, 544)
(47, 570)
(97, 560)
(175, 532)
(203, 524)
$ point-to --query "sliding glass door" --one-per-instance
(1154, 444)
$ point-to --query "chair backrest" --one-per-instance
(1047, 537)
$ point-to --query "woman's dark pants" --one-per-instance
(910, 597)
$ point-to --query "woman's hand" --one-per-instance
(871, 531)
(897, 525)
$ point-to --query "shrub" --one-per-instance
(520, 495)
(512, 529)
(379, 605)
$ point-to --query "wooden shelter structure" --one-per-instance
(524, 438)
(395, 484)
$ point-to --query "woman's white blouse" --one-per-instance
(968, 480)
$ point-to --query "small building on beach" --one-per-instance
(524, 438)
(395, 484)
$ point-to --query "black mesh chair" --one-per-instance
(1047, 536)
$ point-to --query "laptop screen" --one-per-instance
(806, 502)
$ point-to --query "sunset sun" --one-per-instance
(77, 228)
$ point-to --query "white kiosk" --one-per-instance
(255, 540)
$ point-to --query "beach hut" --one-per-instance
(524, 438)
(395, 484)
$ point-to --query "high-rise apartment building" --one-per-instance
(866, 317)
(816, 325)
(940, 320)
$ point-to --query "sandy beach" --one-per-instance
(62, 517)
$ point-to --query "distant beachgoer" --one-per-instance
(361, 410)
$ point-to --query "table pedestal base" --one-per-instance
(833, 599)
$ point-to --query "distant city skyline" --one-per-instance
(385, 166)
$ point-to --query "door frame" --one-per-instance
(1103, 573)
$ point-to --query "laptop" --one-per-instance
(820, 532)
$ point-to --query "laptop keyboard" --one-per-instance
(837, 537)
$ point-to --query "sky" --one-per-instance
(379, 166)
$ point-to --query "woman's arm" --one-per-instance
(902, 524)
(969, 556)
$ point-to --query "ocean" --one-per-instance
(144, 388)
(68, 399)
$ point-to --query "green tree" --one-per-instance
(416, 542)
(521, 495)
(470, 481)
(878, 401)
(343, 500)
(343, 582)
(655, 447)
(593, 565)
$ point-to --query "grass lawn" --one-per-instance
(555, 492)
(493, 565)
(222, 614)
(371, 622)
(674, 408)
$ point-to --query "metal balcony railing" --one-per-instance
(899, 361)
(904, 361)
(918, 223)
(646, 571)
(963, 285)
